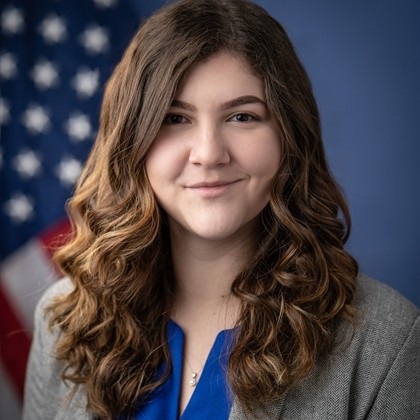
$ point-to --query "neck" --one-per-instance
(204, 271)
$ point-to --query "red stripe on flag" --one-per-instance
(14, 345)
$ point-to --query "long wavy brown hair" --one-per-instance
(300, 283)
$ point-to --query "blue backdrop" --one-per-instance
(364, 62)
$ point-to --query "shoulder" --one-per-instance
(59, 288)
(384, 317)
(376, 367)
(383, 357)
(376, 298)
(386, 323)
(46, 394)
(372, 373)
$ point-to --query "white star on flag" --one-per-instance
(104, 4)
(53, 29)
(12, 21)
(36, 119)
(45, 74)
(94, 39)
(27, 164)
(86, 82)
(4, 111)
(78, 127)
(68, 170)
(19, 208)
(8, 67)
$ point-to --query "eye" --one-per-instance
(243, 117)
(174, 119)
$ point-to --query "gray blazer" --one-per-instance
(372, 374)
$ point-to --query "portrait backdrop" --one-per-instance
(55, 55)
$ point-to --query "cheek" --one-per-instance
(264, 158)
(152, 163)
(155, 169)
(162, 162)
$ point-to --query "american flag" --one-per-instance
(55, 56)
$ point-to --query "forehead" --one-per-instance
(222, 73)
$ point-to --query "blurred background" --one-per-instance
(55, 56)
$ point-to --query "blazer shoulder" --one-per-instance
(381, 303)
(59, 288)
(47, 396)
(385, 318)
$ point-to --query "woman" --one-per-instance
(207, 275)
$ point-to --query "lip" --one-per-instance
(211, 189)
(211, 184)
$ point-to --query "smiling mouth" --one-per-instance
(212, 184)
(212, 189)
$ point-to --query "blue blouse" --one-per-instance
(211, 398)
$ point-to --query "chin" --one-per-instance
(213, 235)
(220, 233)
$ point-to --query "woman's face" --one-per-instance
(217, 151)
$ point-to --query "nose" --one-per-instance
(208, 147)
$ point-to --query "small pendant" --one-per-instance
(193, 381)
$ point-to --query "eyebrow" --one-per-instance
(241, 100)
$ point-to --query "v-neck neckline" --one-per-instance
(219, 353)
(211, 399)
